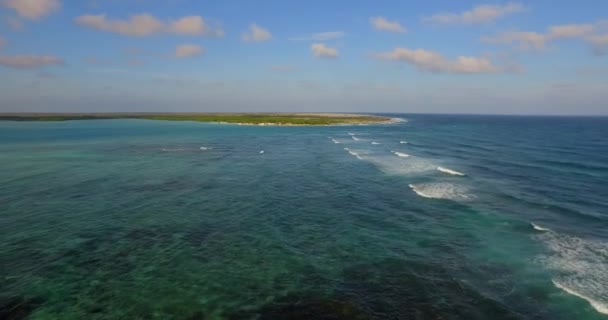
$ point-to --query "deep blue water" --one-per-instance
(138, 219)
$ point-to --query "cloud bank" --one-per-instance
(432, 61)
(32, 9)
(144, 24)
(29, 61)
(484, 13)
(536, 40)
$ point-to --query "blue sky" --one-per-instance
(540, 57)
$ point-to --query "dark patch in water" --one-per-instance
(18, 308)
(398, 289)
(197, 235)
(305, 308)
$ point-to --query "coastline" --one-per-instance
(244, 119)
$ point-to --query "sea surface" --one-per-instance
(433, 217)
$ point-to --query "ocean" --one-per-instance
(433, 217)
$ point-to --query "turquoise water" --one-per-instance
(138, 219)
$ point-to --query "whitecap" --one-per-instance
(598, 306)
(261, 151)
(374, 142)
(401, 154)
(578, 266)
(353, 153)
(350, 134)
(403, 142)
(539, 228)
(441, 190)
(450, 171)
(355, 138)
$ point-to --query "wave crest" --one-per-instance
(450, 171)
(441, 190)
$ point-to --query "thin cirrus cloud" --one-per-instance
(320, 50)
(427, 60)
(144, 24)
(256, 34)
(29, 61)
(599, 43)
(383, 24)
(321, 36)
(188, 50)
(484, 13)
(283, 68)
(537, 40)
(32, 9)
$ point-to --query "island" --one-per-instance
(273, 119)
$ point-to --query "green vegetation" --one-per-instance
(237, 118)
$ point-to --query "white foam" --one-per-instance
(353, 153)
(403, 142)
(539, 228)
(579, 266)
(598, 306)
(396, 120)
(350, 134)
(205, 148)
(450, 171)
(355, 138)
(374, 142)
(441, 191)
(335, 141)
(401, 154)
(262, 151)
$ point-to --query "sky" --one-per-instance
(444, 56)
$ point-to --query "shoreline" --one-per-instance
(243, 119)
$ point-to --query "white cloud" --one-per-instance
(434, 62)
(29, 61)
(480, 14)
(193, 25)
(32, 9)
(256, 34)
(381, 23)
(569, 31)
(188, 50)
(144, 24)
(320, 50)
(536, 40)
(321, 36)
(524, 39)
(138, 25)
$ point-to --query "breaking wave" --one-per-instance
(441, 190)
(353, 153)
(450, 171)
(579, 266)
(401, 154)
